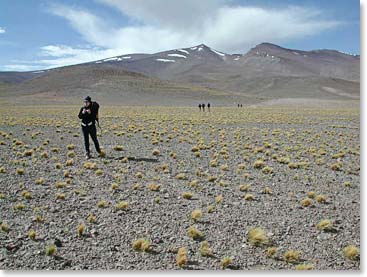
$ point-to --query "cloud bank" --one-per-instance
(158, 25)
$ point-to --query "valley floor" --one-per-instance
(283, 169)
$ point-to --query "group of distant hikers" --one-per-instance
(202, 107)
(89, 116)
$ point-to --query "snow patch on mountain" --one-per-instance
(184, 51)
(166, 61)
(111, 59)
(217, 52)
(177, 55)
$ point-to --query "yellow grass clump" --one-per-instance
(257, 237)
(181, 258)
(321, 198)
(306, 202)
(205, 250)
(292, 256)
(50, 250)
(196, 214)
(271, 251)
(249, 197)
(123, 205)
(32, 234)
(351, 252)
(81, 229)
(259, 164)
(325, 225)
(225, 262)
(194, 233)
(187, 195)
(102, 204)
(141, 245)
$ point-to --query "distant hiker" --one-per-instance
(241, 105)
(208, 107)
(238, 105)
(89, 115)
(203, 106)
(200, 107)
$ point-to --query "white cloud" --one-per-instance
(158, 25)
(2, 30)
(21, 67)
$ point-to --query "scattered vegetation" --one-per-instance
(142, 244)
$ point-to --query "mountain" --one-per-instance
(265, 71)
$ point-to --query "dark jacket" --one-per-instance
(89, 118)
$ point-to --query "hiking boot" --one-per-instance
(87, 156)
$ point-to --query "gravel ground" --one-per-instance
(323, 145)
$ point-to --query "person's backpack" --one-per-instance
(95, 106)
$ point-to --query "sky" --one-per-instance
(42, 34)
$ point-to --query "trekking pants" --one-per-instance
(92, 131)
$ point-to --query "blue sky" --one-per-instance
(43, 34)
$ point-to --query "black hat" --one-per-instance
(88, 99)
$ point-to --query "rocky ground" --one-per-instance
(282, 170)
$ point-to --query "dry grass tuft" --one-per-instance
(225, 262)
(292, 256)
(351, 252)
(123, 205)
(321, 198)
(141, 245)
(187, 195)
(271, 251)
(306, 202)
(50, 250)
(205, 250)
(196, 214)
(181, 258)
(249, 197)
(81, 229)
(257, 237)
(194, 233)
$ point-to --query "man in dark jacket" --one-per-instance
(89, 115)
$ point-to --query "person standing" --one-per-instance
(203, 106)
(89, 115)
(208, 107)
(199, 107)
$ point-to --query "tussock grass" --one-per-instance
(141, 244)
(257, 237)
(249, 197)
(196, 214)
(181, 258)
(205, 250)
(306, 202)
(292, 256)
(271, 251)
(320, 198)
(187, 195)
(351, 252)
(50, 250)
(194, 233)
(123, 205)
(225, 262)
(81, 229)
(102, 204)
(32, 235)
(325, 225)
